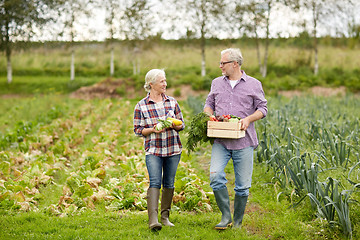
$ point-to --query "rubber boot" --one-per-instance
(152, 206)
(223, 202)
(239, 209)
(166, 200)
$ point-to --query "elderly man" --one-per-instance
(241, 95)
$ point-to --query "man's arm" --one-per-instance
(249, 119)
(208, 110)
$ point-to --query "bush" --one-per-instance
(177, 92)
(353, 83)
(121, 90)
(189, 78)
(201, 83)
(288, 83)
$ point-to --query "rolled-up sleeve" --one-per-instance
(138, 121)
(260, 102)
(210, 100)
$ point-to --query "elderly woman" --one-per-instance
(162, 147)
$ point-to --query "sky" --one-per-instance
(94, 28)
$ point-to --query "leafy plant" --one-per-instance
(197, 131)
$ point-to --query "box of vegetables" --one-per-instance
(225, 126)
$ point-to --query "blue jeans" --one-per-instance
(243, 168)
(162, 170)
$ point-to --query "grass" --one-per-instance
(111, 226)
(96, 57)
(264, 219)
(31, 108)
(29, 85)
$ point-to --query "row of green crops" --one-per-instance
(85, 158)
(82, 156)
(311, 145)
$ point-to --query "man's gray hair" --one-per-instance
(151, 77)
(234, 54)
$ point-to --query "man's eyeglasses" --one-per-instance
(223, 63)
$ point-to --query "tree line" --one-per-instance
(138, 20)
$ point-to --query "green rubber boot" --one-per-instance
(152, 206)
(239, 209)
(223, 202)
(166, 200)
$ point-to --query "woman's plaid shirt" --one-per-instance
(146, 114)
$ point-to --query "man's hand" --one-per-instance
(244, 123)
(208, 111)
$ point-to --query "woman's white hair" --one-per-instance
(151, 77)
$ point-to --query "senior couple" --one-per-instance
(233, 93)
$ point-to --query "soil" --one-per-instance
(108, 88)
(185, 91)
(123, 88)
(316, 91)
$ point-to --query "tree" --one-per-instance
(113, 8)
(202, 17)
(136, 23)
(17, 19)
(352, 29)
(322, 15)
(73, 11)
(254, 18)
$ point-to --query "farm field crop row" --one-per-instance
(88, 156)
(83, 157)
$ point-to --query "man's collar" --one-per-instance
(243, 76)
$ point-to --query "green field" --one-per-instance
(74, 169)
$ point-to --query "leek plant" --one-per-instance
(339, 148)
(331, 202)
(304, 141)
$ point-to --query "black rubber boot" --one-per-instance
(152, 206)
(166, 200)
(223, 202)
(239, 209)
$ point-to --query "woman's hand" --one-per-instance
(176, 127)
(158, 131)
(147, 131)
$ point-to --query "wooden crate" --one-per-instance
(224, 130)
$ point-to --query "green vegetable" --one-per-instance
(233, 116)
(159, 126)
(163, 124)
(197, 132)
(233, 120)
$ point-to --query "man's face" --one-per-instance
(225, 65)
